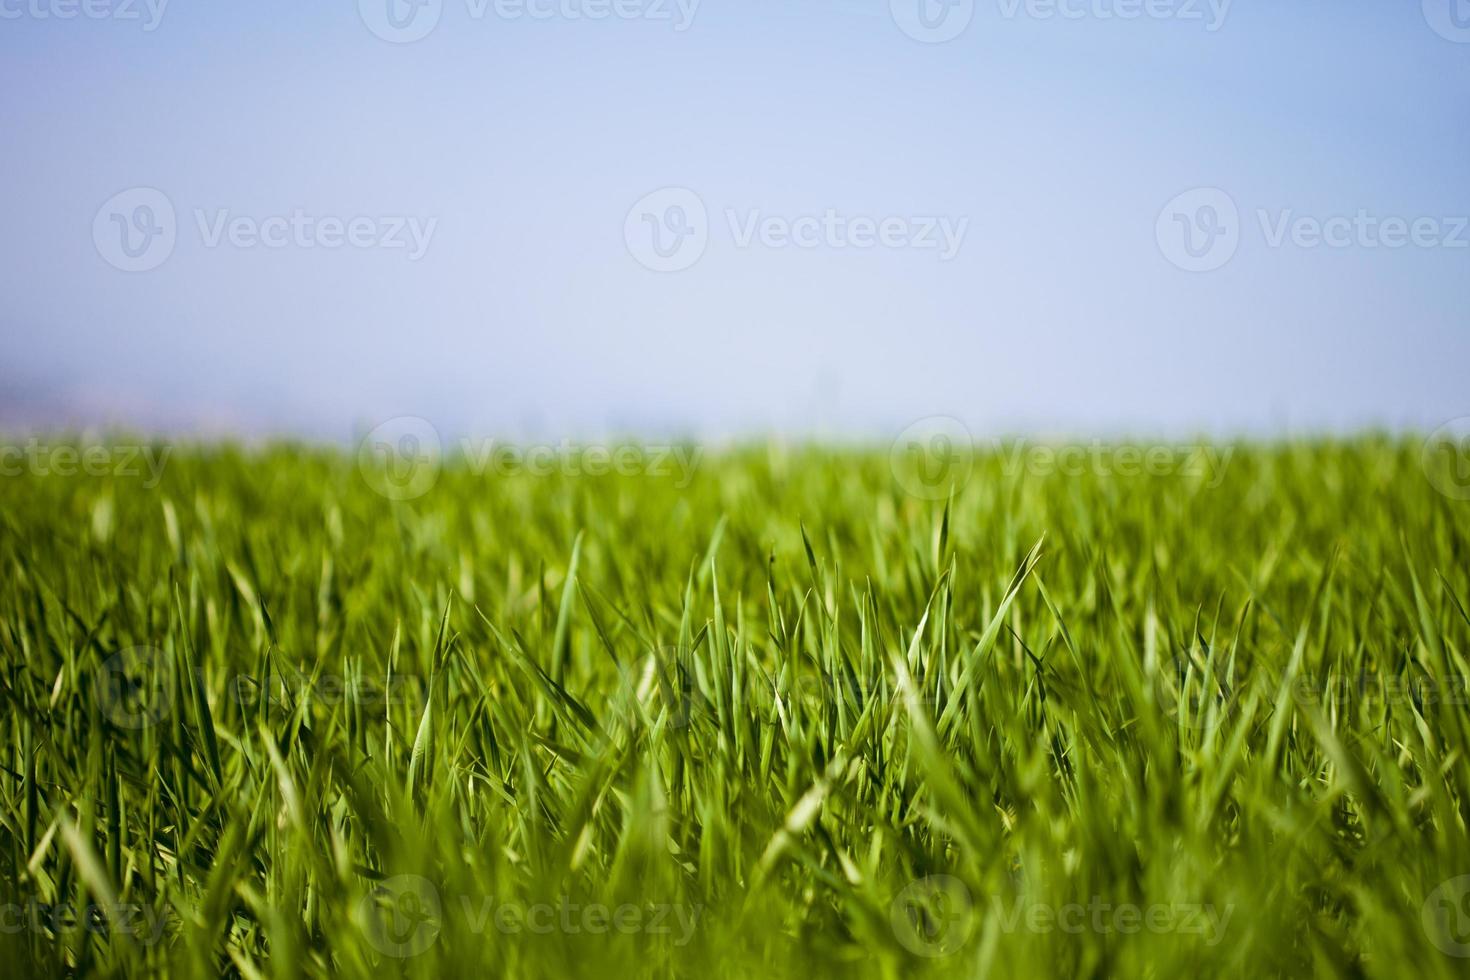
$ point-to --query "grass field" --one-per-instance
(791, 712)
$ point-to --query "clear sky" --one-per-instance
(474, 226)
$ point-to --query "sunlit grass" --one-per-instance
(785, 720)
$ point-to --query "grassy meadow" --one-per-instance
(772, 711)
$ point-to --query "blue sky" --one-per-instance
(1059, 139)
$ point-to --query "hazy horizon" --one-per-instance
(719, 220)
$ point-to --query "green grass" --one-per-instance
(785, 721)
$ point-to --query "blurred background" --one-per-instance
(728, 219)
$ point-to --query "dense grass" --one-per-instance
(785, 721)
